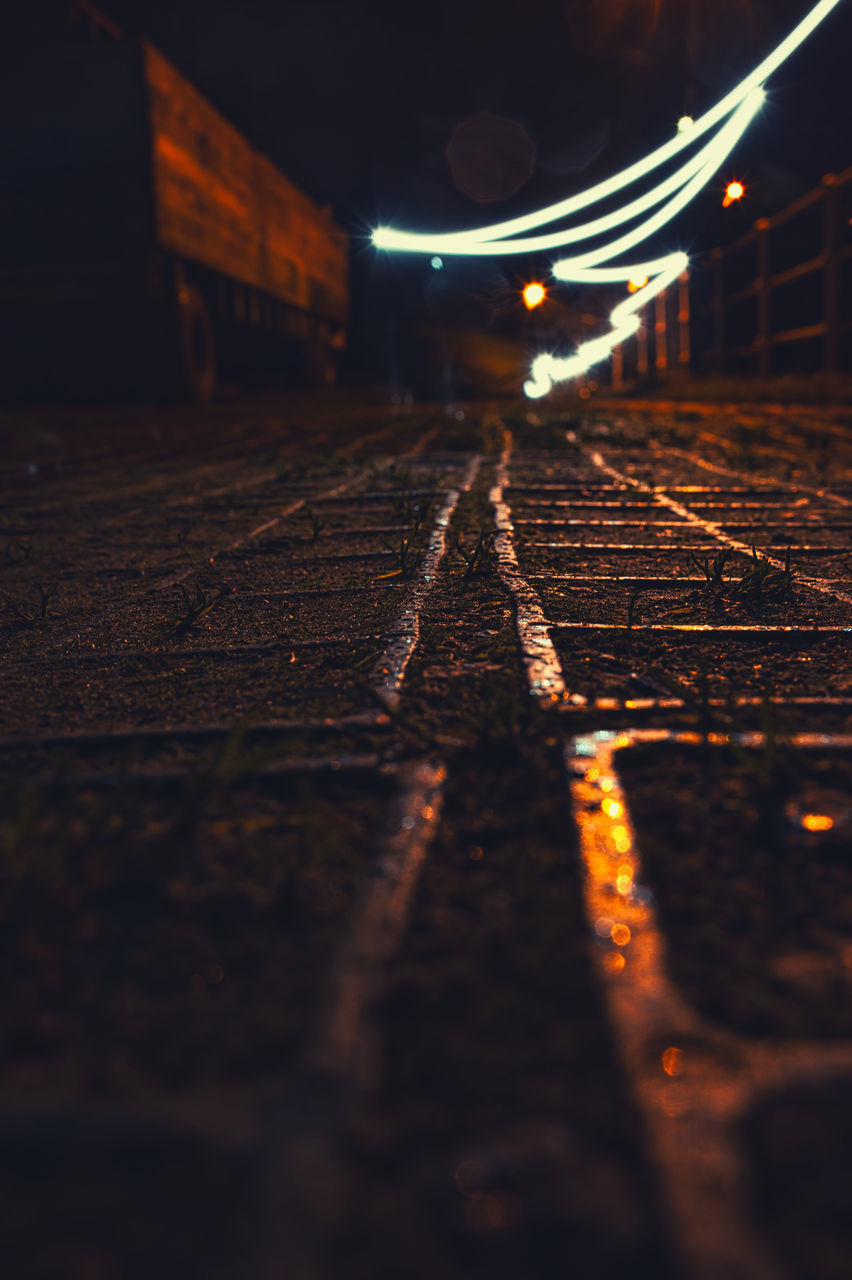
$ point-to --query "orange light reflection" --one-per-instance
(817, 822)
(672, 1061)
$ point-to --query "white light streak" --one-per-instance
(389, 238)
(547, 369)
(672, 194)
(710, 158)
(725, 140)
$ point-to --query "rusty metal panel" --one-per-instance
(220, 203)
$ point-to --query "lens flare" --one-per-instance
(668, 197)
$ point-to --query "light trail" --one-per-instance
(566, 268)
(709, 158)
(738, 108)
(548, 369)
(460, 241)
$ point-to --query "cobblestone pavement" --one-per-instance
(425, 842)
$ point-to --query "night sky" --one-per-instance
(359, 101)
(378, 107)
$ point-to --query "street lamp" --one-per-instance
(534, 294)
(733, 192)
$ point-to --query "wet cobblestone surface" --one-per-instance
(425, 842)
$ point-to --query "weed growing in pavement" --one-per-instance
(18, 551)
(714, 570)
(762, 583)
(406, 552)
(716, 586)
(759, 584)
(632, 604)
(315, 521)
(477, 559)
(32, 608)
(197, 605)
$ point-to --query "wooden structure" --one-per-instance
(781, 292)
(142, 238)
(777, 300)
(220, 203)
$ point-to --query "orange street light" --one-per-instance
(534, 295)
(733, 192)
(635, 283)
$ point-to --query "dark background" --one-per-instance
(361, 103)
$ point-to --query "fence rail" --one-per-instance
(779, 299)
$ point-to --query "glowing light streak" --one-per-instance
(548, 369)
(565, 269)
(706, 161)
(460, 241)
(646, 280)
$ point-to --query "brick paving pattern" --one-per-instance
(425, 842)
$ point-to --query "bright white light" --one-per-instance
(727, 137)
(437, 262)
(460, 241)
(710, 158)
(737, 109)
(534, 294)
(547, 370)
(733, 192)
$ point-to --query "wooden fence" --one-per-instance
(777, 300)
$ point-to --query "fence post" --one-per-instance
(719, 310)
(618, 368)
(683, 319)
(830, 245)
(642, 349)
(761, 284)
(660, 329)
